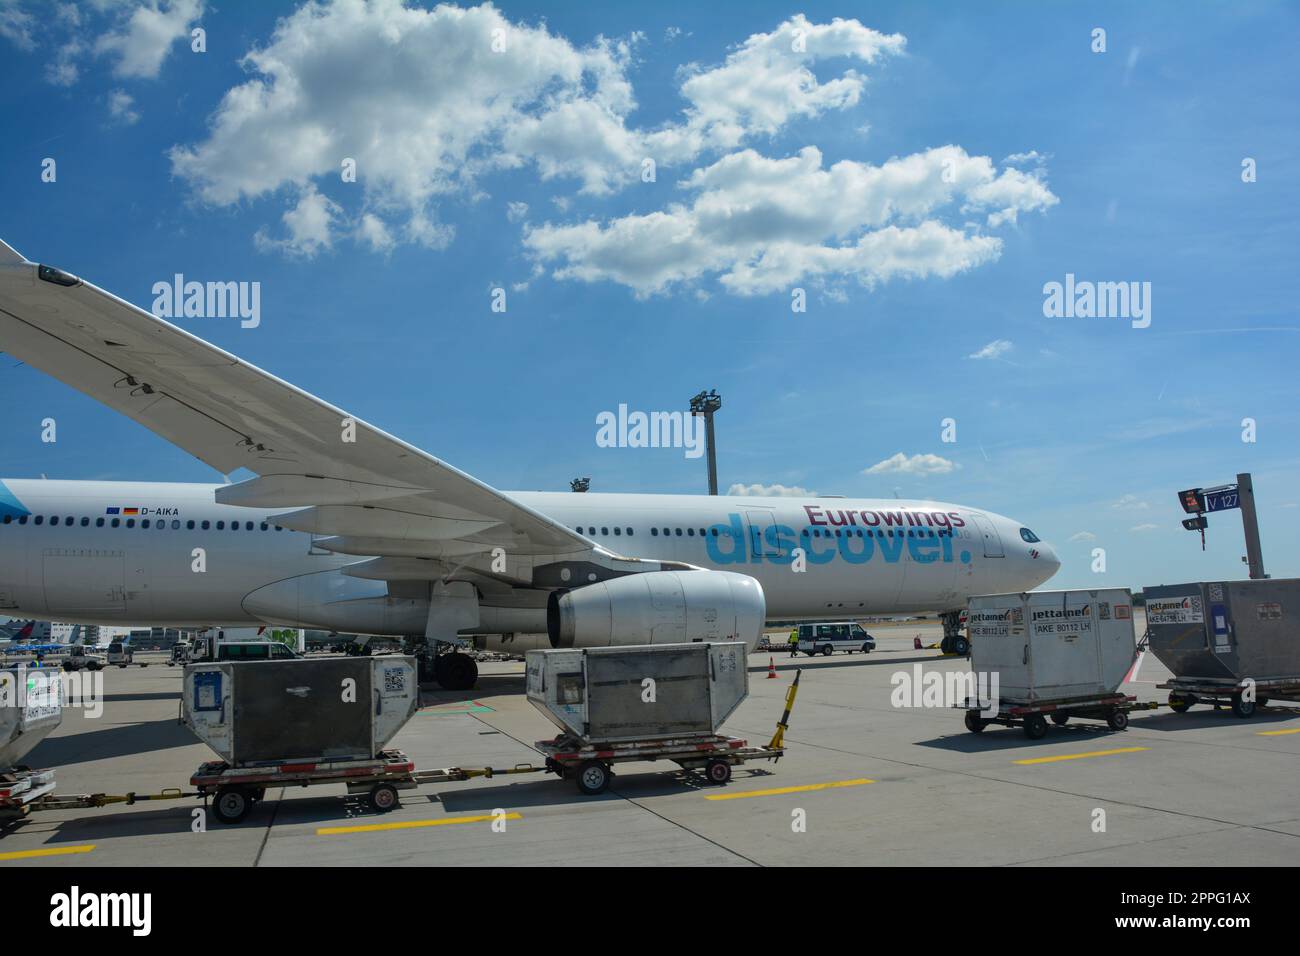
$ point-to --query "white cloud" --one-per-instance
(418, 97)
(16, 25)
(120, 107)
(142, 41)
(995, 349)
(372, 232)
(770, 491)
(915, 465)
(1029, 157)
(136, 37)
(63, 69)
(310, 226)
(764, 224)
(1130, 503)
(768, 80)
(423, 103)
(1143, 527)
(1082, 536)
(516, 211)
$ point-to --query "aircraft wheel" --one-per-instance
(455, 671)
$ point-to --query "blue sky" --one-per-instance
(376, 295)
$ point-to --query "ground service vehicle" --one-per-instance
(828, 638)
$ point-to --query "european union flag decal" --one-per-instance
(112, 511)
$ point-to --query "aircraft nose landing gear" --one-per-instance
(954, 642)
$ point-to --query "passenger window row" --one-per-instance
(144, 523)
(814, 532)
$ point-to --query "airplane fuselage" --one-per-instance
(167, 554)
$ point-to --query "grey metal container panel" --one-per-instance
(681, 684)
(256, 711)
(1053, 645)
(34, 713)
(596, 693)
(296, 709)
(1226, 630)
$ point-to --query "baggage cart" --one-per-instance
(1244, 696)
(1032, 717)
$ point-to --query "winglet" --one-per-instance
(9, 255)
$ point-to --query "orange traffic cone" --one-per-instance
(771, 669)
(916, 643)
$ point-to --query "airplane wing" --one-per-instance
(373, 494)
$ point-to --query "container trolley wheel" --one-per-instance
(593, 777)
(718, 771)
(382, 797)
(232, 804)
(1035, 726)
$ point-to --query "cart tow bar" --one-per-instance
(82, 800)
(782, 725)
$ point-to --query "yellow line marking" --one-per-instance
(1278, 733)
(1091, 753)
(51, 851)
(742, 794)
(413, 824)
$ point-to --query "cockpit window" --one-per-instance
(1028, 535)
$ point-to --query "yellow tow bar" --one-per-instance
(105, 799)
(782, 725)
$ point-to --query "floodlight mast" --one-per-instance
(706, 403)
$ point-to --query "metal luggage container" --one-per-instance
(304, 709)
(1050, 645)
(31, 705)
(600, 693)
(1226, 630)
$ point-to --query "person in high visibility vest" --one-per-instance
(794, 642)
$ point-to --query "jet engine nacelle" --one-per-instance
(659, 607)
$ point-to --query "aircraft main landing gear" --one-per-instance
(455, 671)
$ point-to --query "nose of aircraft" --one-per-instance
(1049, 561)
(1038, 560)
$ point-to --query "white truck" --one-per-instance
(120, 654)
(80, 656)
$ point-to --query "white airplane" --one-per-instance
(347, 528)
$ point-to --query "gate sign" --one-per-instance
(1222, 498)
(1192, 501)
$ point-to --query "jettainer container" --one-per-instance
(639, 692)
(310, 710)
(31, 706)
(1226, 630)
(1049, 645)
